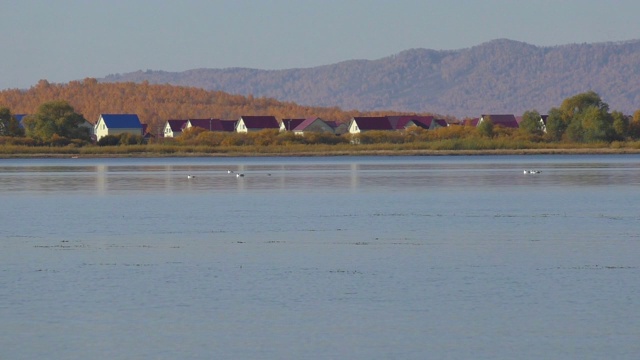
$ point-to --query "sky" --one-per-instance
(65, 40)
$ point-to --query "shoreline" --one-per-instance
(557, 151)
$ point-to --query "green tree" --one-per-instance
(531, 123)
(597, 124)
(55, 118)
(575, 105)
(9, 125)
(556, 127)
(485, 128)
(634, 126)
(620, 125)
(583, 117)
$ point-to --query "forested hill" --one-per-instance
(500, 76)
(155, 104)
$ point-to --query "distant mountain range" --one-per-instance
(500, 76)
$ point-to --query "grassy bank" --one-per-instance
(444, 147)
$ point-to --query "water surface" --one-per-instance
(348, 257)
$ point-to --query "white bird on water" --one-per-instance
(240, 175)
(191, 176)
(229, 172)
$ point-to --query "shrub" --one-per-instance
(109, 140)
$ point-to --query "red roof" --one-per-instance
(228, 125)
(207, 124)
(373, 123)
(441, 122)
(332, 123)
(308, 121)
(400, 122)
(290, 124)
(506, 120)
(260, 122)
(176, 125)
(471, 122)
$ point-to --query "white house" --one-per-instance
(116, 124)
(359, 125)
(256, 123)
(173, 128)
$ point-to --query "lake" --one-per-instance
(445, 257)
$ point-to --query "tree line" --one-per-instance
(582, 118)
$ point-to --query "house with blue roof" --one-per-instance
(19, 118)
(116, 124)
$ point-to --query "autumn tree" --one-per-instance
(55, 119)
(485, 128)
(531, 123)
(9, 125)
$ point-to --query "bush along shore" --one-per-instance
(455, 146)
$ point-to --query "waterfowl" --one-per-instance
(240, 175)
(191, 176)
(229, 172)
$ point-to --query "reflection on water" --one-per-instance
(170, 175)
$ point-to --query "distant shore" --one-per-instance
(420, 152)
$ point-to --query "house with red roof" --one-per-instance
(173, 127)
(424, 122)
(362, 124)
(504, 120)
(314, 124)
(256, 123)
(289, 124)
(401, 122)
(214, 124)
(228, 125)
(205, 124)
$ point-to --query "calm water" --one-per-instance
(321, 258)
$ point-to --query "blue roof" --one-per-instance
(20, 117)
(121, 121)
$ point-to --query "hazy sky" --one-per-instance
(64, 40)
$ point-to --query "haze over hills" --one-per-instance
(500, 76)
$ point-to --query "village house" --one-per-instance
(289, 124)
(212, 124)
(173, 128)
(362, 124)
(504, 120)
(314, 124)
(116, 124)
(543, 123)
(424, 122)
(256, 123)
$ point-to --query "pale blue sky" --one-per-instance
(64, 40)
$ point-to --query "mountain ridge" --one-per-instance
(499, 76)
